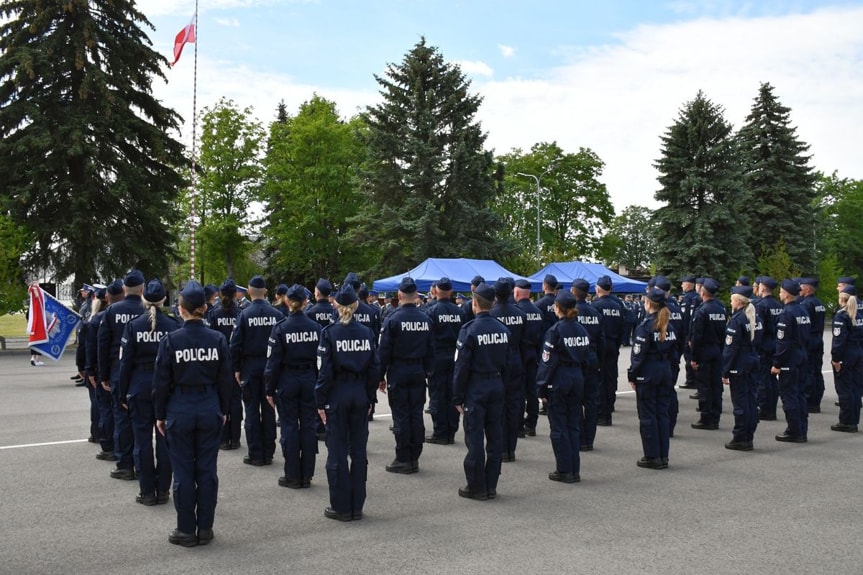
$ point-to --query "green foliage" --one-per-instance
(776, 262)
(573, 205)
(13, 285)
(229, 174)
(427, 180)
(631, 239)
(311, 189)
(778, 179)
(829, 270)
(87, 165)
(839, 209)
(701, 224)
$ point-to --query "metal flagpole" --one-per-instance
(194, 195)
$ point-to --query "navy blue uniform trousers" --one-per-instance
(153, 467)
(295, 398)
(348, 435)
(565, 417)
(483, 432)
(193, 428)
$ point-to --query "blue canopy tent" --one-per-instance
(566, 272)
(460, 271)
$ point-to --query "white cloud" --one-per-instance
(228, 22)
(475, 68)
(619, 99)
(506, 51)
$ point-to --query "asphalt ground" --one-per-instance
(783, 508)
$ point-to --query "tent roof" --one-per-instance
(460, 271)
(566, 272)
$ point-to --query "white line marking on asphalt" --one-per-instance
(42, 444)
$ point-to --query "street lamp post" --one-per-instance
(538, 191)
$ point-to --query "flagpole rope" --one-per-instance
(194, 194)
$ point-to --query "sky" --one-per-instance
(611, 76)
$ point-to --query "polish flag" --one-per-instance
(185, 35)
(37, 321)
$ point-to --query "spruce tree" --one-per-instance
(88, 167)
(700, 228)
(778, 178)
(429, 180)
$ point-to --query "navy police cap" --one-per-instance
(346, 295)
(581, 284)
(565, 300)
(522, 284)
(281, 289)
(550, 279)
(744, 290)
(808, 282)
(485, 291)
(210, 290)
(407, 285)
(663, 283)
(155, 291)
(711, 285)
(769, 282)
(296, 292)
(843, 280)
(688, 279)
(604, 282)
(656, 295)
(791, 286)
(477, 280)
(134, 278)
(363, 292)
(324, 286)
(849, 289)
(257, 282)
(502, 288)
(743, 280)
(228, 287)
(115, 287)
(193, 295)
(444, 284)
(353, 279)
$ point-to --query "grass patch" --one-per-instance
(13, 325)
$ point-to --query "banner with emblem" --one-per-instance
(50, 324)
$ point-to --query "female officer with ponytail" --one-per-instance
(289, 380)
(846, 358)
(138, 350)
(344, 393)
(649, 373)
(740, 367)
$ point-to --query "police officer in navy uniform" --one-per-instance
(322, 311)
(534, 332)
(478, 394)
(691, 302)
(740, 366)
(138, 350)
(468, 306)
(814, 386)
(676, 321)
(447, 319)
(613, 316)
(560, 378)
(406, 357)
(789, 362)
(846, 359)
(110, 333)
(513, 411)
(191, 391)
(546, 302)
(707, 338)
(653, 350)
(769, 311)
(223, 318)
(591, 319)
(210, 293)
(348, 377)
(290, 376)
(280, 303)
(249, 344)
(365, 314)
(104, 298)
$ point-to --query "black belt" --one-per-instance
(407, 361)
(300, 367)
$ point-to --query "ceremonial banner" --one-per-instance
(50, 323)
